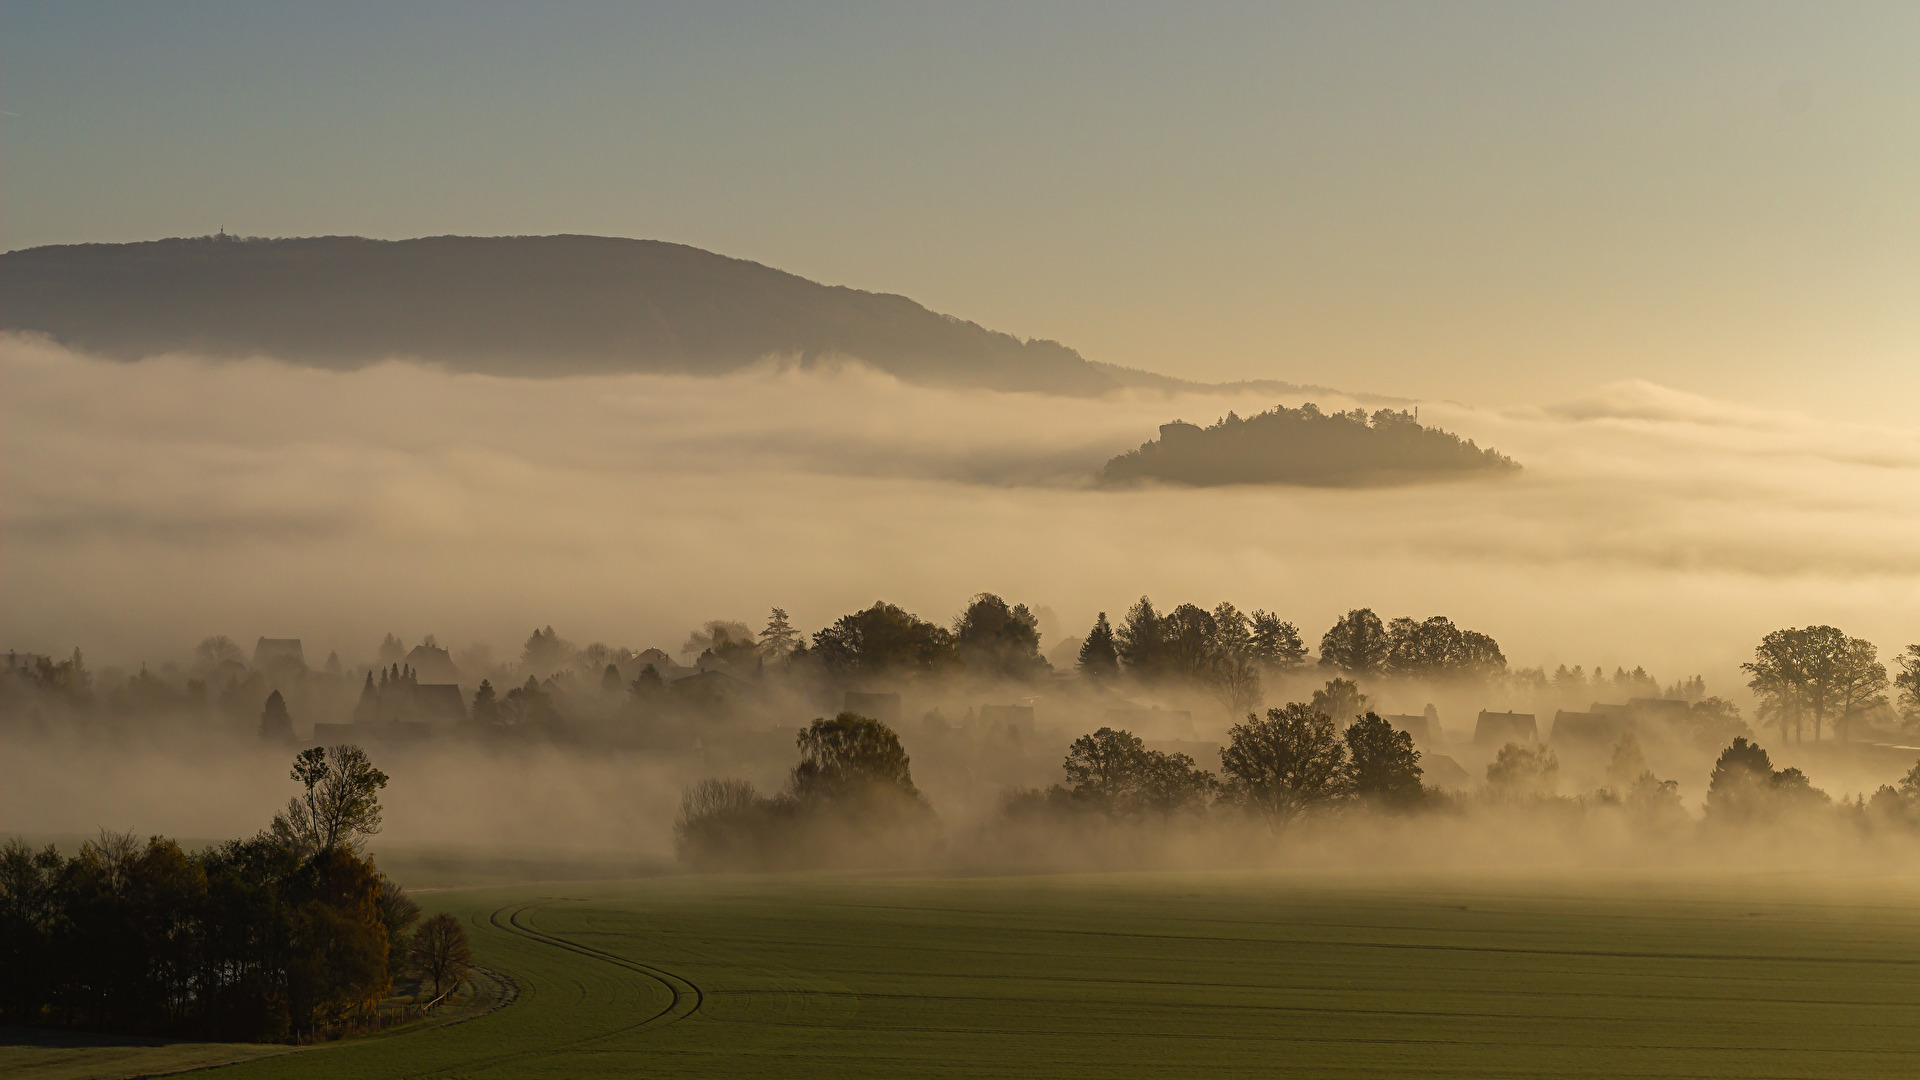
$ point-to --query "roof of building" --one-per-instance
(439, 701)
(278, 651)
(432, 664)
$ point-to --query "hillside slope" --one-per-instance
(545, 305)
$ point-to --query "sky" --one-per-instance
(1497, 204)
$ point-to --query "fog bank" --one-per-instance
(149, 504)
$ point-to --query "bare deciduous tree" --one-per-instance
(438, 952)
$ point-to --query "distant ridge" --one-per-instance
(522, 305)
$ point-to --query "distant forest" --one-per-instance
(515, 305)
(1305, 446)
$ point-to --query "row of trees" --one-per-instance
(292, 934)
(1818, 677)
(1230, 652)
(1277, 766)
(993, 638)
(852, 791)
(1360, 644)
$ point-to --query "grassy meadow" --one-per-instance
(1164, 975)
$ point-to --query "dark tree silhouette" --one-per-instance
(1232, 670)
(848, 755)
(1174, 782)
(1817, 675)
(1438, 649)
(529, 706)
(724, 641)
(884, 640)
(724, 822)
(398, 913)
(779, 639)
(647, 686)
(486, 708)
(1357, 644)
(1113, 771)
(1714, 722)
(245, 941)
(1141, 641)
(1187, 638)
(1523, 771)
(1285, 763)
(217, 650)
(1382, 766)
(999, 641)
(1908, 684)
(1099, 654)
(1745, 787)
(1341, 701)
(1276, 643)
(275, 724)
(439, 952)
(545, 652)
(1305, 446)
(340, 806)
(1103, 768)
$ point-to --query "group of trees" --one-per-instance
(1818, 677)
(989, 638)
(1230, 652)
(1278, 766)
(1360, 644)
(1224, 650)
(528, 706)
(851, 791)
(1745, 787)
(292, 934)
(1303, 446)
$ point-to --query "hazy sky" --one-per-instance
(1490, 202)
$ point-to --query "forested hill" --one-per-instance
(540, 305)
(1305, 446)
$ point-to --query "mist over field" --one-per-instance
(150, 504)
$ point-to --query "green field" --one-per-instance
(1175, 975)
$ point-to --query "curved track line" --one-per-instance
(686, 997)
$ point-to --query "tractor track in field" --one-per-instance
(686, 997)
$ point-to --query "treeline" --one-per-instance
(1304, 446)
(1809, 681)
(290, 935)
(851, 801)
(1278, 766)
(1816, 677)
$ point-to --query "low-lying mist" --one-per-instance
(149, 504)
